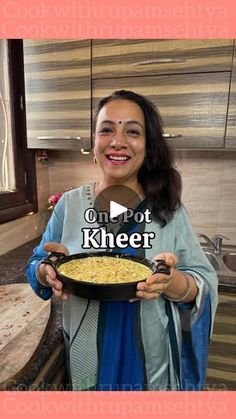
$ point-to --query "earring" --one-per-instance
(94, 160)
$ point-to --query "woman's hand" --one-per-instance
(47, 275)
(157, 284)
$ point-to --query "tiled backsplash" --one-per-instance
(209, 191)
(209, 185)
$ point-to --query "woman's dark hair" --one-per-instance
(161, 182)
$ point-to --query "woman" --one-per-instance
(160, 340)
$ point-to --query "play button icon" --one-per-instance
(116, 209)
(116, 200)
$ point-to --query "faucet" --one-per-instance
(209, 241)
(218, 240)
(215, 242)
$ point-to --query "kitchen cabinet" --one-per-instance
(122, 58)
(58, 93)
(230, 141)
(193, 106)
(188, 80)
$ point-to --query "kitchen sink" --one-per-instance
(224, 264)
(229, 260)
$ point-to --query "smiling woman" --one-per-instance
(120, 143)
(17, 176)
(149, 351)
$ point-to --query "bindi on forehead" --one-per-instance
(119, 122)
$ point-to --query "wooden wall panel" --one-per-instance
(191, 105)
(119, 58)
(58, 92)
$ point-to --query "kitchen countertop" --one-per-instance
(12, 266)
(222, 368)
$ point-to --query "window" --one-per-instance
(18, 194)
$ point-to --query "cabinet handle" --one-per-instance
(86, 151)
(159, 61)
(58, 138)
(172, 135)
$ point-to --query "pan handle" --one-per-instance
(160, 267)
(53, 258)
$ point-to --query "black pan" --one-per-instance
(105, 292)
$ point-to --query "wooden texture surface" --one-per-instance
(24, 318)
(221, 374)
(58, 92)
(119, 58)
(188, 79)
(231, 122)
(191, 105)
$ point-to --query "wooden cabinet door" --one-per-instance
(58, 93)
(193, 106)
(230, 141)
(119, 58)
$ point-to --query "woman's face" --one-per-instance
(120, 141)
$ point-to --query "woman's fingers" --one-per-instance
(52, 278)
(148, 295)
(57, 287)
(55, 284)
(155, 287)
(61, 294)
(55, 247)
(49, 273)
(65, 295)
(159, 278)
(156, 284)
